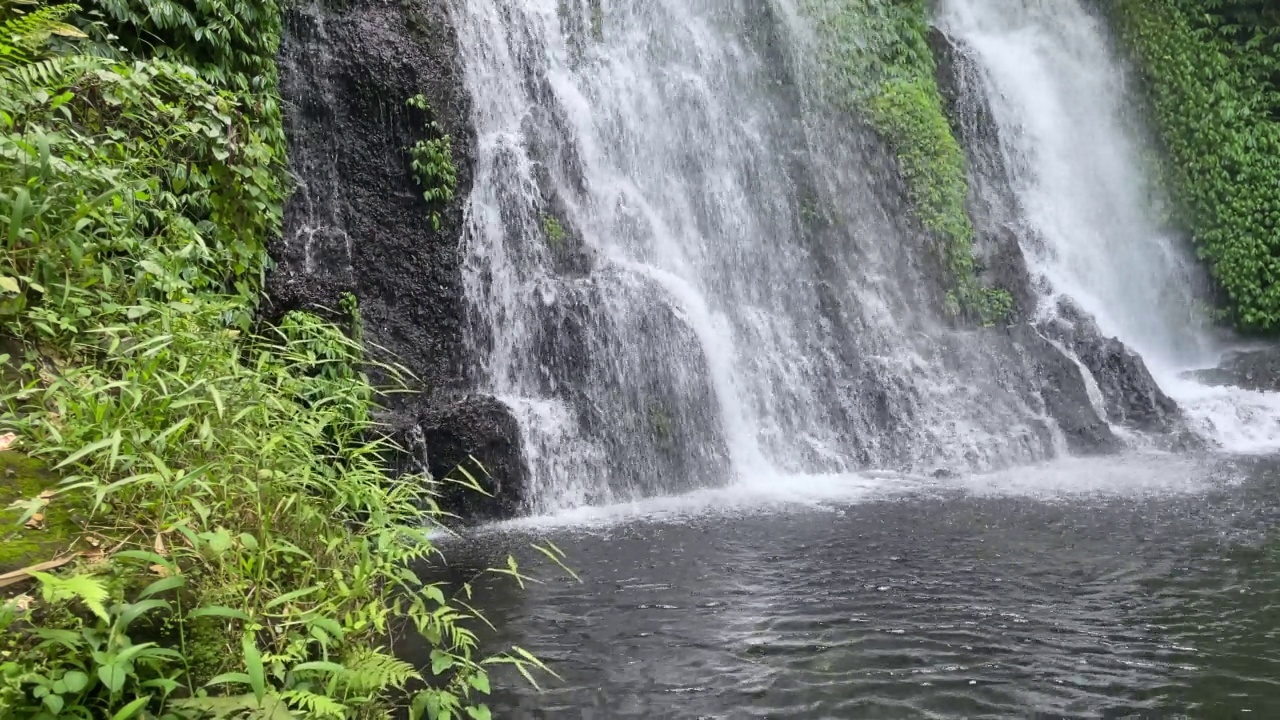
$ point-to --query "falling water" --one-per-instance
(1076, 156)
(683, 273)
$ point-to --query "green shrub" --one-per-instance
(879, 67)
(553, 230)
(245, 552)
(1212, 71)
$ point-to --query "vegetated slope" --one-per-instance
(239, 532)
(1212, 70)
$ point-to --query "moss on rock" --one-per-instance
(24, 478)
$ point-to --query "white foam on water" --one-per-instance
(1138, 474)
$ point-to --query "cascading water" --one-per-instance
(682, 273)
(1075, 156)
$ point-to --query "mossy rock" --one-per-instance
(24, 478)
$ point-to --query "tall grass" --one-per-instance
(245, 553)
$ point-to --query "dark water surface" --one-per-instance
(1159, 597)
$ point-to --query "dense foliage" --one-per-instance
(1213, 73)
(243, 553)
(881, 69)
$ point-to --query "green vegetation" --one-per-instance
(880, 69)
(432, 163)
(239, 549)
(554, 231)
(1212, 70)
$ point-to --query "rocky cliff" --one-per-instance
(358, 223)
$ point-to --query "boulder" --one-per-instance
(1065, 394)
(1133, 398)
(1257, 369)
(477, 434)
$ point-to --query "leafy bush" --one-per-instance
(880, 69)
(244, 536)
(1213, 75)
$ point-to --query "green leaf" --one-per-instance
(291, 596)
(75, 681)
(86, 450)
(479, 712)
(231, 678)
(440, 661)
(132, 708)
(320, 666)
(162, 585)
(9, 285)
(219, 541)
(113, 677)
(54, 703)
(480, 681)
(253, 666)
(218, 611)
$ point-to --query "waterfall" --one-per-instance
(682, 272)
(684, 269)
(1078, 158)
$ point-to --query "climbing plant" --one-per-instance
(879, 68)
(431, 161)
(1212, 72)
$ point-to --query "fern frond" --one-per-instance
(313, 706)
(373, 669)
(22, 36)
(85, 588)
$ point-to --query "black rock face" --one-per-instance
(1066, 397)
(456, 436)
(1249, 369)
(1133, 398)
(357, 222)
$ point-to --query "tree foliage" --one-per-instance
(1212, 70)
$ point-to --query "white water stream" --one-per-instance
(734, 296)
(1076, 153)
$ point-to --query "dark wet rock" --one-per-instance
(1249, 369)
(357, 222)
(1000, 263)
(570, 254)
(655, 417)
(1065, 394)
(1133, 398)
(477, 434)
(999, 229)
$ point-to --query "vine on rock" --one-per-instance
(879, 68)
(431, 161)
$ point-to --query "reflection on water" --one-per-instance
(950, 605)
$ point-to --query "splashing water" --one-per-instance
(691, 275)
(1075, 154)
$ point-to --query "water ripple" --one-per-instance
(965, 607)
